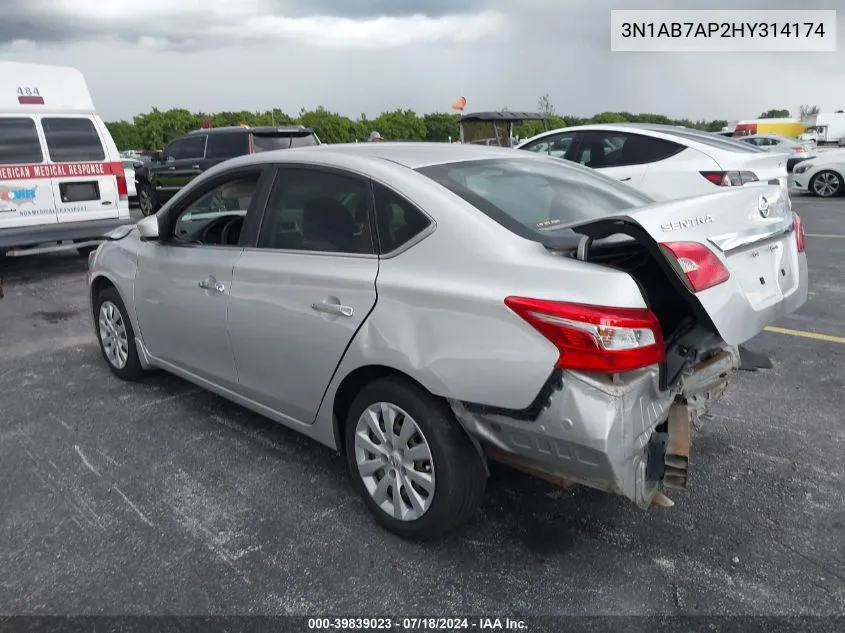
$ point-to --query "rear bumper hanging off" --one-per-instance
(622, 436)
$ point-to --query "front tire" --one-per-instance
(146, 199)
(115, 335)
(826, 184)
(415, 468)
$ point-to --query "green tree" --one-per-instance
(155, 128)
(775, 114)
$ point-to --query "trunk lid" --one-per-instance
(769, 167)
(751, 231)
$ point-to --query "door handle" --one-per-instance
(195, 166)
(332, 308)
(171, 168)
(625, 179)
(211, 284)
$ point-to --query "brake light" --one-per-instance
(595, 338)
(700, 266)
(798, 226)
(730, 178)
(800, 149)
(119, 172)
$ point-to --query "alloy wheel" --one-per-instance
(113, 335)
(394, 461)
(145, 202)
(826, 184)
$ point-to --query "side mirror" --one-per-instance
(148, 228)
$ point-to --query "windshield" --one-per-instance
(536, 197)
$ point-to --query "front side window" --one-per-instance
(19, 142)
(316, 210)
(172, 150)
(535, 198)
(216, 217)
(556, 145)
(72, 139)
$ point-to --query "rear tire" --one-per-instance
(826, 184)
(116, 336)
(432, 465)
(146, 199)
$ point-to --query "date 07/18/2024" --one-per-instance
(723, 29)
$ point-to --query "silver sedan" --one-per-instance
(425, 308)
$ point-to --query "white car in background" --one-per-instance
(129, 170)
(665, 162)
(823, 176)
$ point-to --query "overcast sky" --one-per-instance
(355, 56)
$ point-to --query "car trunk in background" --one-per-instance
(731, 262)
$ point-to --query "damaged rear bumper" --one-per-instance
(621, 435)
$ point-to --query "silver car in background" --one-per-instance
(426, 307)
(797, 151)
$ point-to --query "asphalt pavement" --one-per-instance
(159, 498)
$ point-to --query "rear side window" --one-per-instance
(536, 197)
(227, 145)
(714, 140)
(71, 140)
(617, 149)
(398, 220)
(19, 142)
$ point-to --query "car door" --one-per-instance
(26, 197)
(300, 295)
(607, 152)
(184, 280)
(83, 180)
(187, 163)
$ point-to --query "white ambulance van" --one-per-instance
(62, 181)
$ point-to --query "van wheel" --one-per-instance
(409, 459)
(115, 335)
(146, 199)
(826, 184)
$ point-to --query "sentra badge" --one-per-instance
(18, 195)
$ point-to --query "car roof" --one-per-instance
(504, 115)
(677, 133)
(265, 129)
(409, 154)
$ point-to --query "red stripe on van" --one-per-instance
(60, 170)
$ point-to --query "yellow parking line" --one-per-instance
(816, 336)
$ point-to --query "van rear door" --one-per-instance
(26, 196)
(85, 182)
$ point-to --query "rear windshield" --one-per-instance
(19, 142)
(71, 140)
(270, 142)
(715, 140)
(536, 197)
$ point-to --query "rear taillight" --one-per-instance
(730, 178)
(800, 238)
(595, 338)
(119, 172)
(700, 266)
(800, 149)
